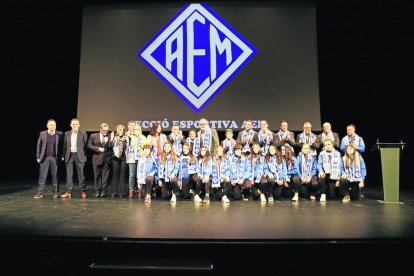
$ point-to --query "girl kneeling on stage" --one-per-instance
(147, 168)
(167, 173)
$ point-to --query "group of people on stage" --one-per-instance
(261, 165)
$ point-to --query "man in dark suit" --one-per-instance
(284, 137)
(247, 137)
(48, 155)
(74, 149)
(99, 144)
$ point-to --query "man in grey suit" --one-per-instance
(208, 136)
(328, 133)
(74, 150)
(48, 155)
(101, 159)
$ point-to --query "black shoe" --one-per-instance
(103, 194)
(97, 194)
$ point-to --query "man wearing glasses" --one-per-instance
(208, 136)
(98, 143)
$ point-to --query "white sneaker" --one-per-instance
(225, 199)
(270, 198)
(346, 199)
(323, 198)
(262, 198)
(197, 199)
(295, 198)
(206, 199)
(173, 198)
(148, 198)
(312, 197)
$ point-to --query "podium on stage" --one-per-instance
(390, 166)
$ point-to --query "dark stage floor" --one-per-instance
(282, 238)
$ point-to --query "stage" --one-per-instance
(110, 234)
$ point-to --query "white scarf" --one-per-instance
(203, 167)
(329, 135)
(230, 145)
(308, 140)
(177, 144)
(134, 148)
(306, 164)
(207, 139)
(185, 167)
(260, 163)
(352, 140)
(245, 133)
(275, 168)
(166, 169)
(354, 170)
(331, 165)
(237, 168)
(141, 170)
(196, 145)
(289, 136)
(265, 137)
(218, 173)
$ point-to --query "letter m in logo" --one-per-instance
(196, 54)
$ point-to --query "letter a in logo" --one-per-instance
(196, 54)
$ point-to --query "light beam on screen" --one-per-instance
(279, 83)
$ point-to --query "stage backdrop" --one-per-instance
(278, 80)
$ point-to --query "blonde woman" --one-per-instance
(134, 150)
(119, 166)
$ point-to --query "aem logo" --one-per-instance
(196, 54)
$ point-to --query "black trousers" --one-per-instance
(101, 176)
(48, 162)
(73, 158)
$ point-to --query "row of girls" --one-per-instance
(192, 172)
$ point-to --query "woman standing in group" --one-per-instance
(157, 139)
(134, 147)
(119, 166)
